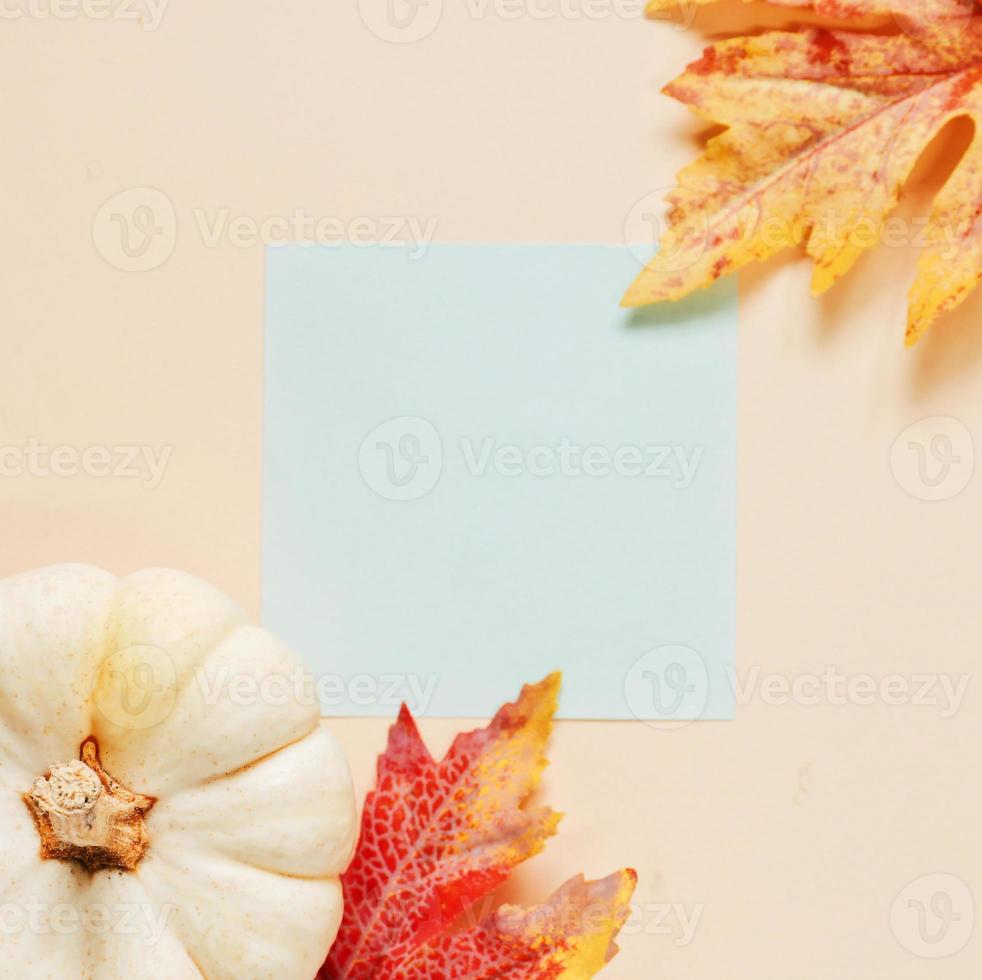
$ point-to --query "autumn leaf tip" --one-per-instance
(544, 693)
(632, 299)
(404, 746)
(917, 326)
(553, 681)
(621, 885)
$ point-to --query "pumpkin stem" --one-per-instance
(82, 814)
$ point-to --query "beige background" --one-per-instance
(790, 831)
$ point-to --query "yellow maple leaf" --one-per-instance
(823, 129)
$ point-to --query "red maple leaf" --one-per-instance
(438, 837)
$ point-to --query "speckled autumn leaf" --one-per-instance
(571, 936)
(908, 12)
(438, 836)
(824, 128)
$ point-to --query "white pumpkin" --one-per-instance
(171, 804)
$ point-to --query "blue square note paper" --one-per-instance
(478, 470)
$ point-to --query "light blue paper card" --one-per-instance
(478, 470)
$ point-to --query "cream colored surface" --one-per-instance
(789, 832)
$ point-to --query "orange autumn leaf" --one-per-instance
(571, 936)
(823, 129)
(903, 11)
(437, 837)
